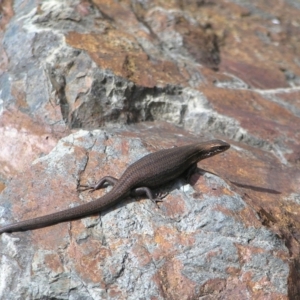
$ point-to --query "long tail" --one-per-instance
(65, 215)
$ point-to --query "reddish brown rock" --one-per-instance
(167, 244)
(211, 69)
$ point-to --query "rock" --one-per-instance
(202, 238)
(139, 76)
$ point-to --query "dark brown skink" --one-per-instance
(151, 171)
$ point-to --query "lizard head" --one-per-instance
(211, 148)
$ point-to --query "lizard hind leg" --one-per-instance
(103, 182)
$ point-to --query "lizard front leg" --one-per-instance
(148, 192)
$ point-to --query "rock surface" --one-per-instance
(203, 239)
(139, 76)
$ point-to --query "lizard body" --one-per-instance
(151, 171)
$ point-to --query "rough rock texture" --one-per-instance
(204, 239)
(151, 75)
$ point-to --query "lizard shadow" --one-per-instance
(256, 188)
(248, 186)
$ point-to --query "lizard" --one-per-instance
(151, 171)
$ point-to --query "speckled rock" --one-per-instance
(196, 243)
(150, 75)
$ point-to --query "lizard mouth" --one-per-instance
(216, 150)
(223, 148)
